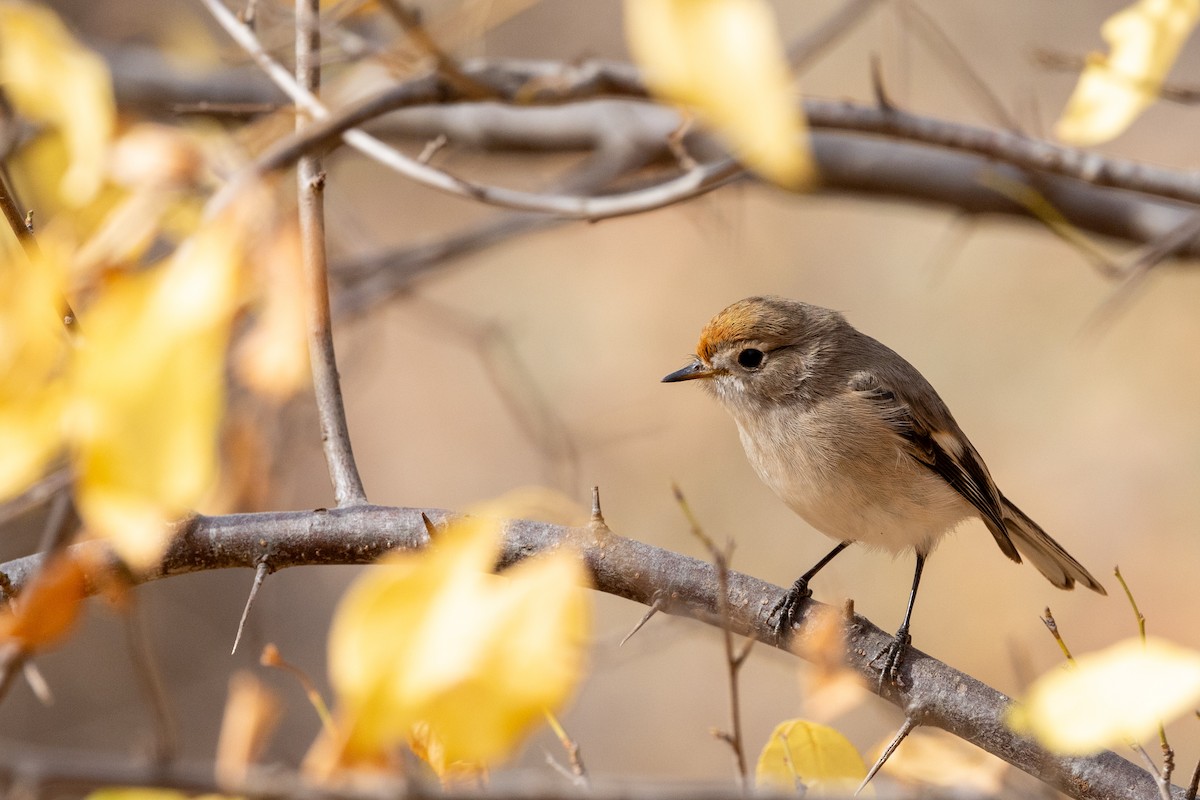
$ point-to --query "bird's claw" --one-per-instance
(788, 608)
(893, 657)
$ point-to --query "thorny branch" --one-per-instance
(603, 79)
(932, 693)
(857, 151)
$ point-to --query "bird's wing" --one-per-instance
(942, 448)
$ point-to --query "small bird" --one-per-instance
(854, 439)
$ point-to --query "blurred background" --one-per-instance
(537, 361)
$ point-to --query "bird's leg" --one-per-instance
(894, 654)
(788, 606)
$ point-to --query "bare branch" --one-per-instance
(672, 191)
(908, 157)
(310, 188)
(933, 693)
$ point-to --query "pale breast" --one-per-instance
(842, 469)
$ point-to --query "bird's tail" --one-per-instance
(1046, 554)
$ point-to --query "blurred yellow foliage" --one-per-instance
(52, 79)
(724, 59)
(146, 793)
(929, 757)
(272, 358)
(1144, 40)
(809, 754)
(433, 650)
(134, 402)
(33, 350)
(1119, 694)
(147, 390)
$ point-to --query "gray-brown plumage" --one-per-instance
(855, 440)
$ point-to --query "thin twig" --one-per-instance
(375, 279)
(1062, 61)
(578, 773)
(1137, 614)
(1041, 209)
(944, 49)
(687, 185)
(1160, 777)
(431, 148)
(733, 661)
(310, 184)
(1164, 745)
(12, 658)
(45, 489)
(260, 575)
(145, 667)
(38, 683)
(60, 523)
(808, 50)
(1052, 626)
(410, 21)
(1144, 260)
(271, 657)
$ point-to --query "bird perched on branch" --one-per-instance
(854, 439)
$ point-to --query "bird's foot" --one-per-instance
(893, 657)
(788, 608)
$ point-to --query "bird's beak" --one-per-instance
(691, 372)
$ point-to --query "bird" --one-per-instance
(851, 437)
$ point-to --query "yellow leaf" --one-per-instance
(252, 711)
(1119, 694)
(33, 345)
(480, 655)
(52, 79)
(817, 757)
(160, 169)
(724, 58)
(1144, 40)
(136, 793)
(148, 391)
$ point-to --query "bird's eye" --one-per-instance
(751, 358)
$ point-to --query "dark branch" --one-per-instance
(932, 693)
(904, 156)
